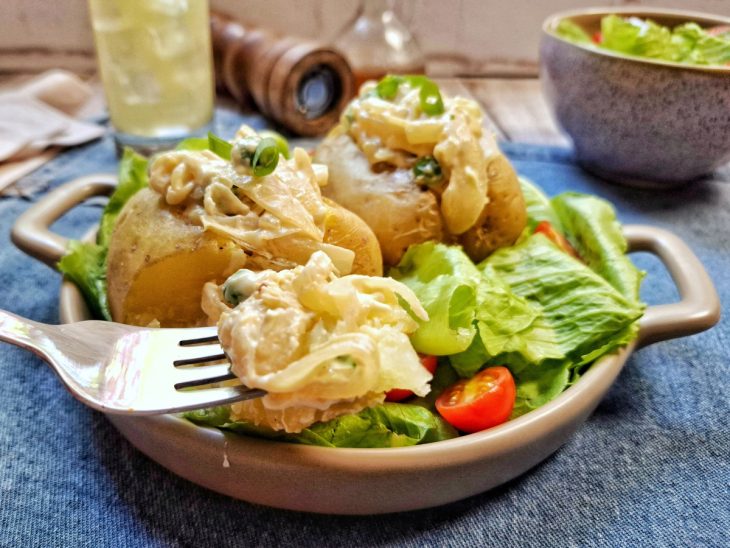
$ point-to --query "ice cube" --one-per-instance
(170, 39)
(137, 87)
(173, 8)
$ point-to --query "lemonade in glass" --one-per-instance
(156, 66)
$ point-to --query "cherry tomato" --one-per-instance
(718, 30)
(544, 227)
(597, 37)
(479, 403)
(399, 394)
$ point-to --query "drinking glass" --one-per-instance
(156, 66)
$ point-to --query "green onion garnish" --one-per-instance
(220, 146)
(427, 171)
(429, 95)
(281, 142)
(266, 157)
(431, 102)
(387, 88)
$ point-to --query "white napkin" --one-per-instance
(38, 114)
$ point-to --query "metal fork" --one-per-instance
(129, 370)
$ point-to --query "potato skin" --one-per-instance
(345, 229)
(158, 263)
(401, 213)
(397, 210)
(503, 218)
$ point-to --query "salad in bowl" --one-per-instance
(405, 287)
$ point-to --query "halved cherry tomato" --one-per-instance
(399, 394)
(719, 30)
(479, 403)
(597, 37)
(544, 227)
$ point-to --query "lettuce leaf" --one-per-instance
(538, 206)
(538, 305)
(687, 43)
(386, 425)
(711, 50)
(131, 179)
(85, 263)
(584, 310)
(572, 31)
(641, 37)
(536, 386)
(591, 226)
(512, 331)
(445, 281)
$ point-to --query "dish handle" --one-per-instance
(699, 306)
(32, 233)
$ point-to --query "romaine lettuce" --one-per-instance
(85, 265)
(536, 309)
(538, 206)
(584, 310)
(445, 281)
(386, 425)
(686, 43)
(591, 226)
(572, 31)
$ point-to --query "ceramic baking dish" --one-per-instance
(370, 481)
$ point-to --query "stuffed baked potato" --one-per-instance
(203, 217)
(417, 167)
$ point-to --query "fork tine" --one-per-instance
(196, 354)
(210, 380)
(200, 340)
(211, 397)
(193, 376)
(202, 359)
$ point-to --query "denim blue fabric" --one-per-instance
(649, 468)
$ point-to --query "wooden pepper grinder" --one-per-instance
(300, 84)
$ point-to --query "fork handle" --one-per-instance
(23, 333)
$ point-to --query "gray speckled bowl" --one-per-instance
(637, 121)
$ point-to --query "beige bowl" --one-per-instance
(372, 481)
(633, 120)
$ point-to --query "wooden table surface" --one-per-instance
(515, 110)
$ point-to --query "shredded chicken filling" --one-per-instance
(397, 133)
(267, 216)
(319, 344)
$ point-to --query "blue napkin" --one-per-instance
(650, 467)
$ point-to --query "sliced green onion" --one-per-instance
(281, 142)
(427, 171)
(417, 80)
(220, 146)
(266, 157)
(430, 96)
(387, 88)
